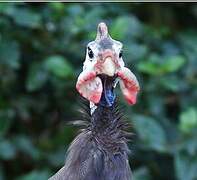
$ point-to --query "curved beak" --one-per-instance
(109, 67)
(106, 64)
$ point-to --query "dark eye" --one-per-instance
(90, 53)
(120, 54)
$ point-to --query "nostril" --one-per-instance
(108, 58)
(106, 54)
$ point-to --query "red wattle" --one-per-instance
(89, 86)
(128, 85)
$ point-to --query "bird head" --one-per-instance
(103, 68)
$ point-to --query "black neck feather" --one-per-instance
(107, 125)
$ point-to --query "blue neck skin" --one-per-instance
(108, 96)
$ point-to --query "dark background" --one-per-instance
(42, 48)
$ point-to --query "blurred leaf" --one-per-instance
(9, 53)
(2, 176)
(58, 66)
(35, 175)
(154, 66)
(151, 66)
(25, 145)
(36, 78)
(4, 6)
(58, 6)
(170, 48)
(7, 150)
(155, 105)
(133, 52)
(57, 158)
(141, 173)
(188, 120)
(150, 133)
(131, 24)
(173, 63)
(75, 9)
(5, 121)
(25, 17)
(117, 31)
(190, 143)
(186, 167)
(173, 83)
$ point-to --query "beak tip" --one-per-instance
(109, 67)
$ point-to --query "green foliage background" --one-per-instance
(42, 48)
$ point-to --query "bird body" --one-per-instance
(100, 151)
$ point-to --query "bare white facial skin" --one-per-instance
(104, 56)
(107, 57)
